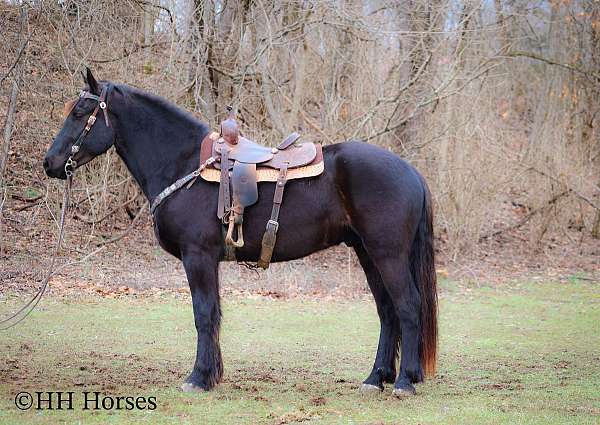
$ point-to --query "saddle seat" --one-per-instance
(247, 164)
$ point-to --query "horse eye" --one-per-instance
(78, 113)
(81, 109)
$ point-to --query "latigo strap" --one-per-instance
(270, 236)
(224, 193)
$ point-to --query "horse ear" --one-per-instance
(91, 81)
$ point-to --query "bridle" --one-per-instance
(70, 166)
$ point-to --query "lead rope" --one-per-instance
(33, 302)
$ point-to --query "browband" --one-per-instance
(83, 94)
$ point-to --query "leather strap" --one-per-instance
(228, 250)
(189, 180)
(288, 141)
(90, 121)
(224, 204)
(101, 102)
(270, 236)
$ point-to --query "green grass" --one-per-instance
(522, 354)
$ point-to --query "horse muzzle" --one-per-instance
(54, 165)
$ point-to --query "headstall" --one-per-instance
(71, 164)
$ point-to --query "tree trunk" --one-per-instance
(12, 104)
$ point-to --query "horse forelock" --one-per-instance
(68, 107)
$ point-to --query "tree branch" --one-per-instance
(129, 53)
(12, 104)
(525, 219)
(587, 73)
(87, 220)
(19, 54)
(129, 228)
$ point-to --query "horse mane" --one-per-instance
(133, 94)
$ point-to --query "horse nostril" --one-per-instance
(46, 164)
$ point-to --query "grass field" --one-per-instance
(526, 353)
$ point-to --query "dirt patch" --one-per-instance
(294, 417)
(101, 371)
(499, 386)
(318, 401)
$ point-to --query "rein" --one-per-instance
(70, 167)
(33, 302)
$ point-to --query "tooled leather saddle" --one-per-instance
(239, 163)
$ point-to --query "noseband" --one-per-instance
(71, 164)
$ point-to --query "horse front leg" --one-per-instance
(202, 274)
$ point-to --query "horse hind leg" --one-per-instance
(384, 367)
(399, 283)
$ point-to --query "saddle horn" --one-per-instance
(230, 131)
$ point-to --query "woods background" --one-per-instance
(495, 102)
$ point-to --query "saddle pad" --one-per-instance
(263, 174)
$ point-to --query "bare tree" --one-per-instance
(496, 102)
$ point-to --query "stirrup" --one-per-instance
(240, 234)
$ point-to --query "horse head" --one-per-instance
(86, 131)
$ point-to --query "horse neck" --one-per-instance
(158, 142)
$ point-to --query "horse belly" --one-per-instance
(311, 218)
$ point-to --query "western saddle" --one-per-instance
(238, 164)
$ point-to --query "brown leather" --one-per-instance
(245, 190)
(270, 235)
(206, 150)
(224, 203)
(244, 151)
(294, 156)
(250, 152)
(230, 131)
(289, 141)
(246, 159)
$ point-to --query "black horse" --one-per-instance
(367, 198)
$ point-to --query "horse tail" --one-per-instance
(423, 271)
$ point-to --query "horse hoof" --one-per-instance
(188, 387)
(404, 392)
(368, 389)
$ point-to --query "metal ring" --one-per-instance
(102, 105)
(70, 167)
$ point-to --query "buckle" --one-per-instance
(272, 224)
(91, 120)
